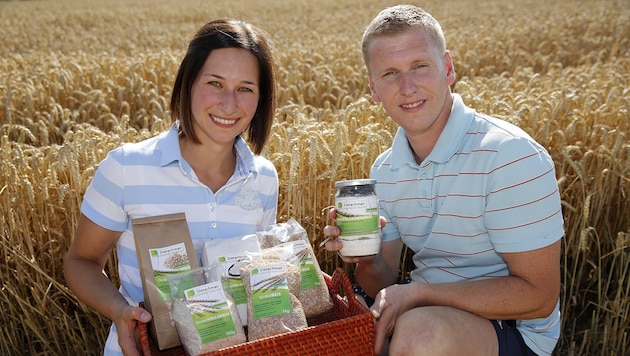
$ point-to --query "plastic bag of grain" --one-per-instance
(272, 306)
(289, 242)
(204, 315)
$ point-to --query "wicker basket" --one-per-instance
(347, 330)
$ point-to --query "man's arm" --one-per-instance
(374, 273)
(530, 291)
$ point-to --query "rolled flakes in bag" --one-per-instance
(289, 242)
(272, 307)
(204, 315)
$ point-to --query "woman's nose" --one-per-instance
(228, 102)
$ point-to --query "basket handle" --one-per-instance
(340, 279)
(144, 335)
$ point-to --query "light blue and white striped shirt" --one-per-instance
(151, 178)
(486, 188)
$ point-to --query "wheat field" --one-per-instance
(80, 77)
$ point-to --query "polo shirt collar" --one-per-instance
(169, 147)
(448, 143)
(401, 151)
(245, 159)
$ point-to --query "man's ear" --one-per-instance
(450, 68)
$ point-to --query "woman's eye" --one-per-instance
(245, 90)
(214, 84)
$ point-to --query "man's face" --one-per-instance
(411, 77)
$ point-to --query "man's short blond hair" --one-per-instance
(402, 18)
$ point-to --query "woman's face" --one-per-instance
(224, 96)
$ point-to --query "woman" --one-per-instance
(202, 166)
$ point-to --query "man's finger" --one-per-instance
(379, 304)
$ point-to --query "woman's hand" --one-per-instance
(126, 324)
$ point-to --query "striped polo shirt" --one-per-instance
(486, 188)
(151, 178)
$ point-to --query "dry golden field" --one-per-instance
(80, 77)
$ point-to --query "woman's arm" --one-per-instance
(84, 273)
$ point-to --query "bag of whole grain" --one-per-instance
(272, 304)
(204, 315)
(289, 242)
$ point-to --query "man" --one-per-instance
(474, 197)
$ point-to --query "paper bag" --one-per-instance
(164, 246)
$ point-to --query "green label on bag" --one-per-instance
(288, 251)
(237, 290)
(168, 260)
(230, 266)
(270, 291)
(163, 286)
(210, 312)
(310, 278)
(214, 325)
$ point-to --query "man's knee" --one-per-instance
(441, 331)
(418, 331)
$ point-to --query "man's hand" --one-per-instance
(388, 305)
(332, 244)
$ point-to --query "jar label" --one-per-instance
(357, 218)
(357, 215)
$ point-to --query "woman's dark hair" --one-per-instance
(227, 34)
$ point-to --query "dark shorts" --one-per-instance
(511, 341)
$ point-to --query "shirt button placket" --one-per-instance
(424, 191)
(212, 215)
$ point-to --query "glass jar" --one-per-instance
(358, 217)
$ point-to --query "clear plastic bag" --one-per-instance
(273, 306)
(204, 315)
(289, 242)
(230, 254)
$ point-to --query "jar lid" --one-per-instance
(353, 182)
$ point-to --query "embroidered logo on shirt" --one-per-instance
(246, 200)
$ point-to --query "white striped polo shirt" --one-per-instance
(486, 188)
(151, 178)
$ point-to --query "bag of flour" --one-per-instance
(230, 254)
